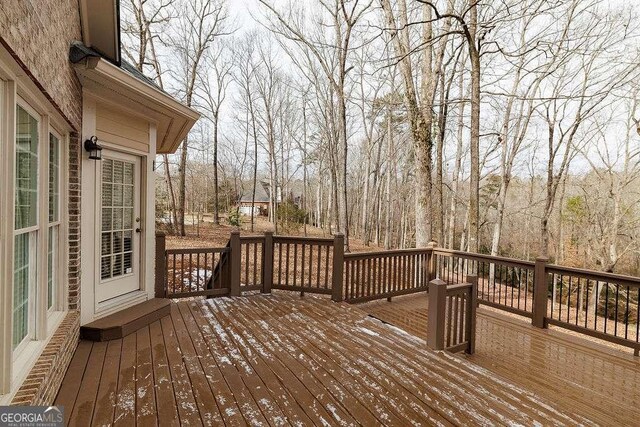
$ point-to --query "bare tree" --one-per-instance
(344, 16)
(215, 76)
(199, 23)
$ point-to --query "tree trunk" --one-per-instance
(474, 181)
(182, 187)
(216, 213)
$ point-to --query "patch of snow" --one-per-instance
(369, 332)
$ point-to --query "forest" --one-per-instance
(506, 127)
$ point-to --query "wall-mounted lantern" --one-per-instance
(92, 147)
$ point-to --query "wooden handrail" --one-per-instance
(601, 276)
(196, 251)
(484, 257)
(391, 252)
(295, 239)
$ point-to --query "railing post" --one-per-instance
(431, 261)
(471, 313)
(161, 265)
(267, 263)
(338, 267)
(437, 311)
(236, 258)
(540, 293)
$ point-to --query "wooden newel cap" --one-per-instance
(542, 259)
(160, 233)
(235, 231)
(438, 282)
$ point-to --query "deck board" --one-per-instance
(103, 412)
(184, 394)
(146, 412)
(360, 403)
(126, 397)
(366, 384)
(579, 375)
(284, 360)
(84, 406)
(277, 391)
(68, 393)
(163, 385)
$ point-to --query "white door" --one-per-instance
(119, 225)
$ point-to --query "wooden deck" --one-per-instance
(284, 360)
(578, 375)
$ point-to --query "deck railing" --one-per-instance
(306, 264)
(251, 263)
(503, 283)
(598, 304)
(452, 315)
(190, 273)
(376, 275)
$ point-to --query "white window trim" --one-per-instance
(61, 259)
(16, 88)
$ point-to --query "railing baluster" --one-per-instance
(319, 264)
(615, 314)
(311, 267)
(569, 300)
(638, 315)
(454, 313)
(606, 306)
(626, 316)
(255, 265)
(295, 263)
(326, 266)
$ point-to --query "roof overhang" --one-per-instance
(100, 20)
(173, 119)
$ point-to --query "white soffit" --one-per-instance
(101, 27)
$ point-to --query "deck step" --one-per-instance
(127, 321)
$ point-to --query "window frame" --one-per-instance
(58, 289)
(34, 234)
(43, 320)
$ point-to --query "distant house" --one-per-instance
(260, 204)
(80, 131)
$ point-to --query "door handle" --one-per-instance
(138, 230)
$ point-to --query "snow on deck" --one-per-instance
(282, 359)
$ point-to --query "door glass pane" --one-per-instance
(21, 276)
(26, 170)
(54, 178)
(117, 218)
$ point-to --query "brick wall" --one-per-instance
(38, 34)
(75, 174)
(42, 384)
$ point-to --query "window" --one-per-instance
(26, 226)
(54, 219)
(32, 169)
(37, 224)
(117, 218)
